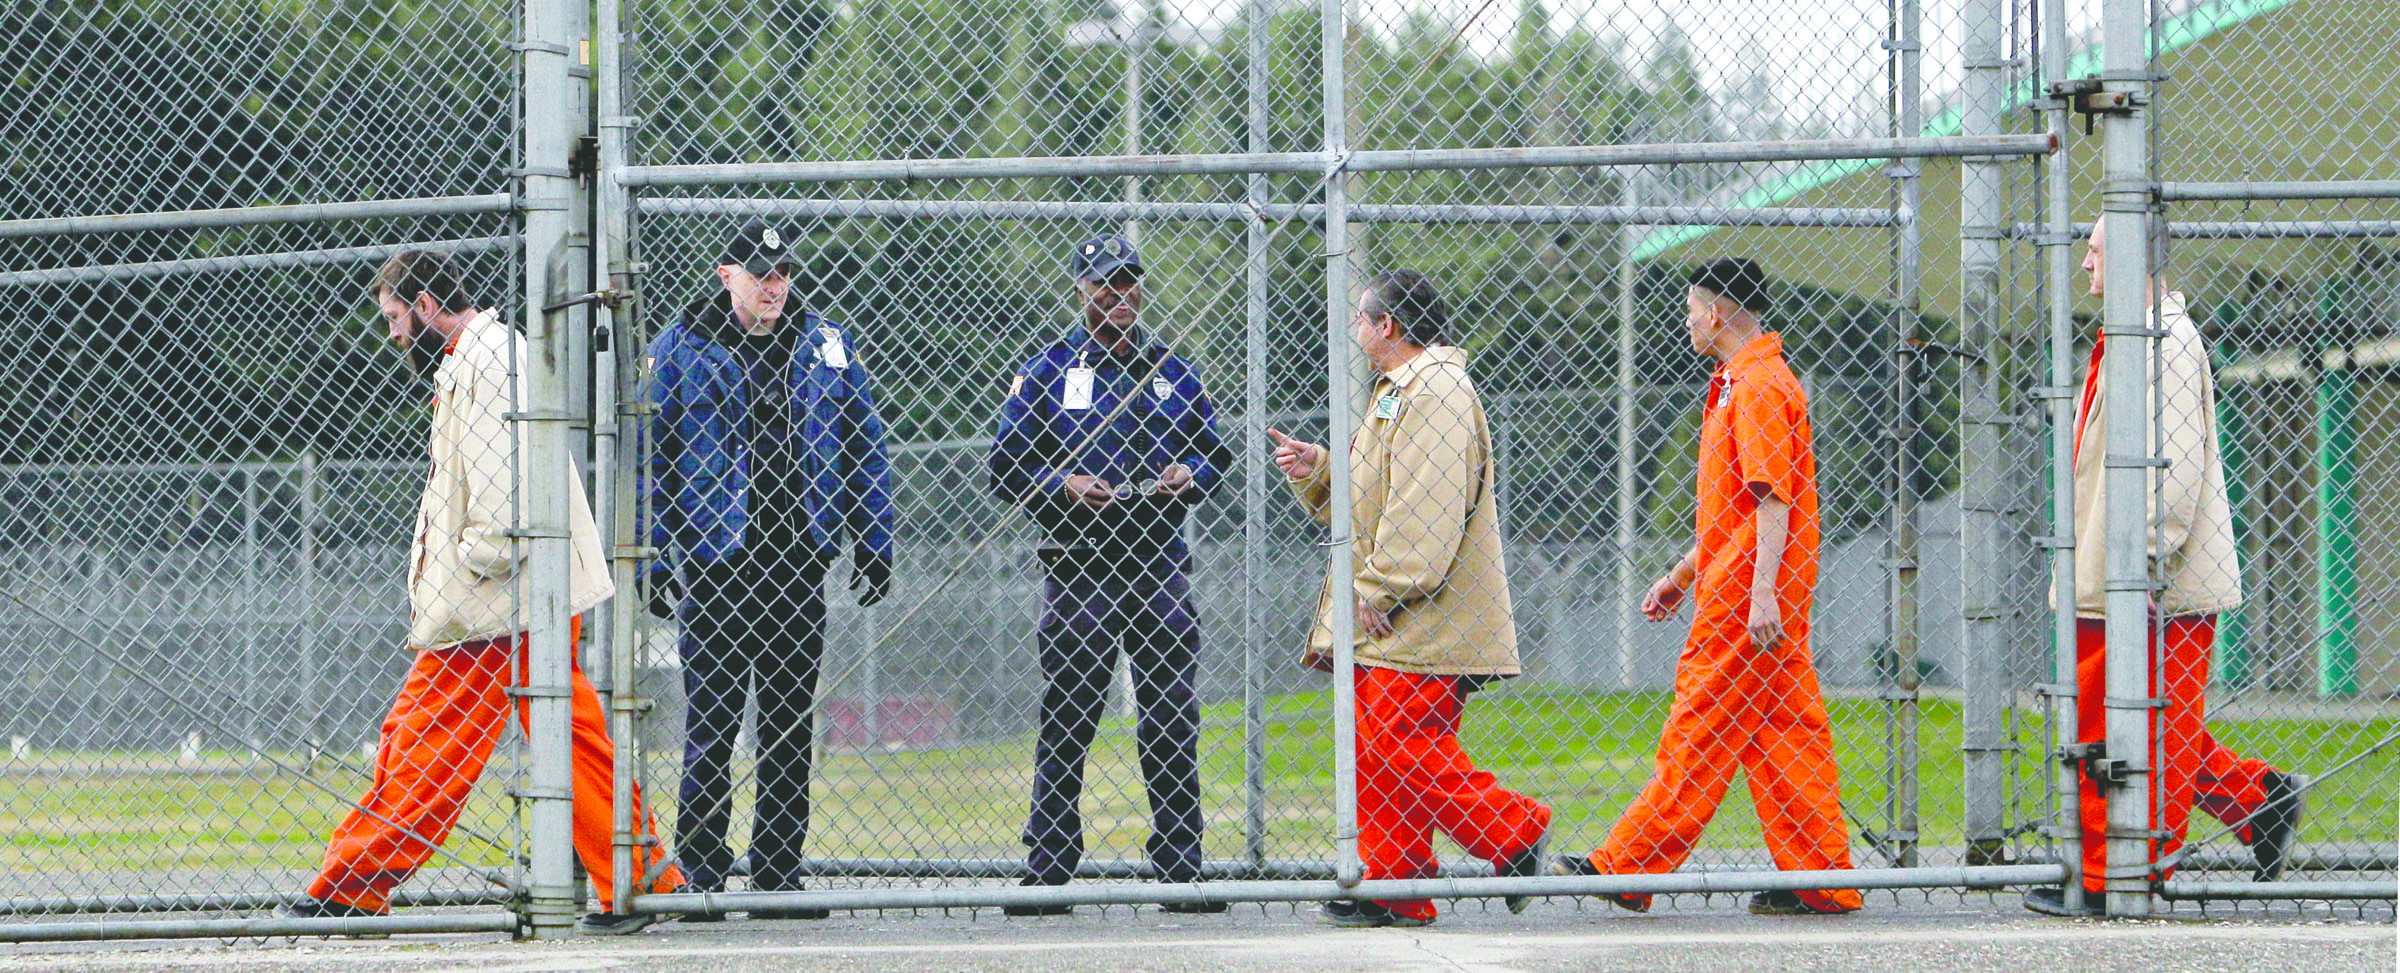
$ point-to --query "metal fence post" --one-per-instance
(1900, 731)
(1348, 869)
(2059, 293)
(546, 200)
(1628, 499)
(1983, 469)
(2125, 200)
(1254, 459)
(616, 468)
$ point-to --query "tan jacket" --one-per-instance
(2191, 528)
(1424, 525)
(462, 565)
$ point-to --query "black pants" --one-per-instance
(753, 626)
(1090, 613)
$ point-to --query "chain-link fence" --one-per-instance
(954, 383)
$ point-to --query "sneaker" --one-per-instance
(1788, 904)
(1525, 864)
(1582, 865)
(2276, 825)
(311, 908)
(1195, 908)
(616, 923)
(2053, 902)
(1036, 911)
(1350, 914)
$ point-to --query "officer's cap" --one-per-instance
(1101, 257)
(758, 248)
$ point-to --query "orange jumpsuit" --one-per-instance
(1736, 707)
(440, 734)
(2191, 767)
(1413, 778)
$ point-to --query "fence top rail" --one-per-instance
(1319, 163)
(256, 215)
(1101, 210)
(2342, 189)
(263, 261)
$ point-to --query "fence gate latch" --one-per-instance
(2096, 763)
(2085, 97)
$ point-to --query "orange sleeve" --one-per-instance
(1766, 436)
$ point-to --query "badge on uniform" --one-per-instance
(1159, 386)
(1078, 393)
(836, 357)
(1016, 385)
(1387, 407)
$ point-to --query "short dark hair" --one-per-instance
(1735, 279)
(1409, 298)
(413, 272)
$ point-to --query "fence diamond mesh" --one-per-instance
(961, 425)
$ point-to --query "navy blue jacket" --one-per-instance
(700, 464)
(1169, 420)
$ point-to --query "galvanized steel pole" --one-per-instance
(1255, 467)
(617, 629)
(1900, 732)
(2125, 200)
(1984, 476)
(2058, 258)
(1349, 870)
(547, 202)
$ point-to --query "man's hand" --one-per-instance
(1090, 490)
(1766, 624)
(870, 576)
(1296, 459)
(1174, 479)
(1664, 600)
(1374, 624)
(665, 595)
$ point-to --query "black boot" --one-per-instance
(2276, 825)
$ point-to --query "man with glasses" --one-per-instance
(766, 457)
(1107, 441)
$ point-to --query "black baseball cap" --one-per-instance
(1101, 257)
(758, 248)
(1736, 279)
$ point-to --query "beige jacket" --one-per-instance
(462, 565)
(2191, 529)
(1424, 525)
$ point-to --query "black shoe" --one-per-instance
(696, 888)
(1582, 865)
(1525, 864)
(2276, 825)
(1195, 908)
(615, 923)
(1036, 911)
(791, 913)
(2053, 902)
(307, 908)
(1350, 914)
(1788, 904)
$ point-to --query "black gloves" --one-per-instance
(872, 571)
(665, 595)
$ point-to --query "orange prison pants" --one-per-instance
(1761, 712)
(1413, 777)
(436, 741)
(2188, 765)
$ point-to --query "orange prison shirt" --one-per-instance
(1755, 430)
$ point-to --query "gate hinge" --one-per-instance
(2085, 97)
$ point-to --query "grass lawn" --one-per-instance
(1584, 754)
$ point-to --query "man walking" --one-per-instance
(470, 643)
(767, 456)
(2194, 550)
(1746, 691)
(1430, 598)
(1108, 440)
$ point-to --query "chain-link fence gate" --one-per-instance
(1554, 170)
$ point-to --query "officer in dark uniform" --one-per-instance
(1108, 441)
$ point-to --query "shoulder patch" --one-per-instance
(1016, 385)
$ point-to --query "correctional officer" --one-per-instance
(767, 458)
(1108, 441)
(1746, 692)
(2200, 563)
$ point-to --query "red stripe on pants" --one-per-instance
(1413, 777)
(436, 742)
(2189, 766)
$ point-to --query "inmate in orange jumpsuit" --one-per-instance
(2191, 767)
(439, 735)
(1413, 777)
(1736, 707)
